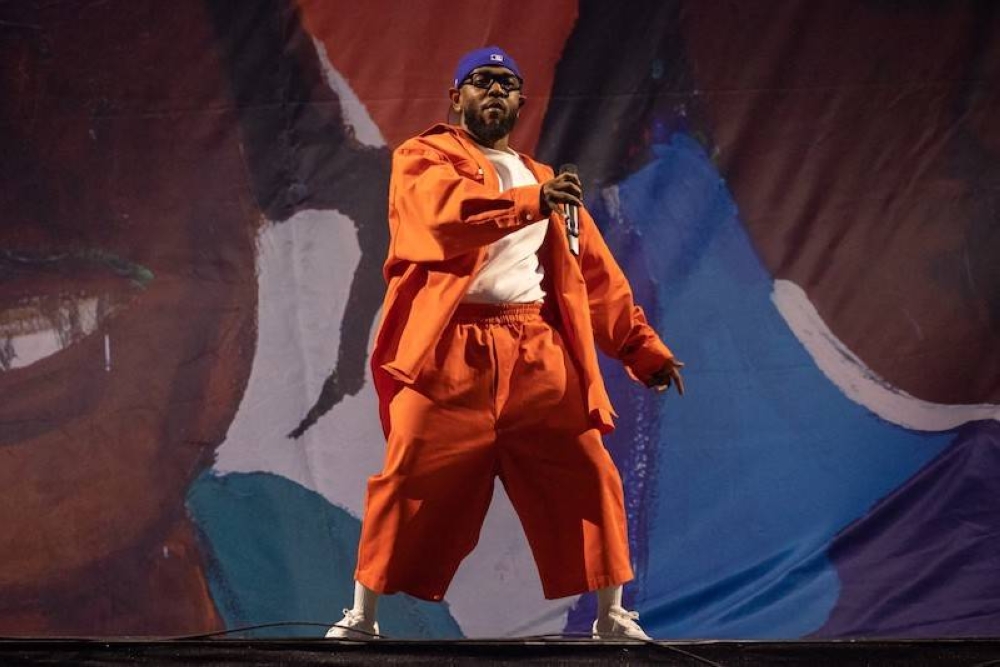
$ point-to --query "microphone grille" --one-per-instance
(569, 168)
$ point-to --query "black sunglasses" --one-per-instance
(485, 80)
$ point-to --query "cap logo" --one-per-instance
(491, 55)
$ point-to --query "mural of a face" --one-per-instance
(150, 155)
(127, 293)
(133, 200)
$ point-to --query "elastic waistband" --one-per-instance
(500, 313)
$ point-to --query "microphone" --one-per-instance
(572, 215)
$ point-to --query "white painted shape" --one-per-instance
(35, 346)
(859, 382)
(305, 268)
(355, 113)
(86, 314)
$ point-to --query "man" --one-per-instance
(485, 365)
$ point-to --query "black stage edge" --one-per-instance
(870, 653)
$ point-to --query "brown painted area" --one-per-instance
(402, 68)
(124, 142)
(156, 587)
(862, 145)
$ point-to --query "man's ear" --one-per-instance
(455, 97)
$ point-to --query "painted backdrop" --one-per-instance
(192, 224)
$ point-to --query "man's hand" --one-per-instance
(670, 373)
(563, 189)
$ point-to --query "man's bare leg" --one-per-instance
(359, 621)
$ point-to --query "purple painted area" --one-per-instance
(925, 562)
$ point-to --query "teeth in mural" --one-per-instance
(33, 331)
(81, 292)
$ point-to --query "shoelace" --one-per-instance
(631, 617)
(627, 620)
(352, 616)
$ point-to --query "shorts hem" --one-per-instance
(383, 586)
(593, 583)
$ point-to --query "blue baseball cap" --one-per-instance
(490, 55)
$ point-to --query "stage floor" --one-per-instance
(879, 653)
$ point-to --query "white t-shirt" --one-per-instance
(511, 272)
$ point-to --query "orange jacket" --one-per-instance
(445, 207)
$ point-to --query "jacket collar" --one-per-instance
(473, 148)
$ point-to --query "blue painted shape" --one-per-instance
(279, 552)
(764, 460)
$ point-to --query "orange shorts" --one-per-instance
(500, 397)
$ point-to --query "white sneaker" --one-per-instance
(353, 626)
(619, 624)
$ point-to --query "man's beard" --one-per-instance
(488, 133)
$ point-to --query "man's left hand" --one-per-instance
(670, 373)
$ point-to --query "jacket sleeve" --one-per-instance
(438, 213)
(620, 327)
